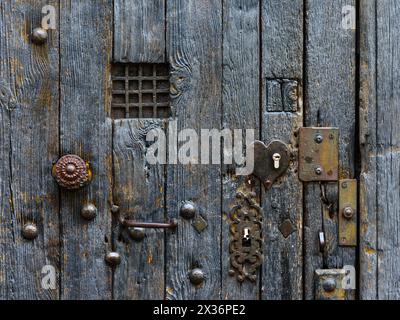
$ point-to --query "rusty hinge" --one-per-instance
(348, 212)
(318, 154)
(334, 284)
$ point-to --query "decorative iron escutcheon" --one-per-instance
(71, 172)
(245, 247)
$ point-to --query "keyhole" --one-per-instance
(276, 157)
(246, 241)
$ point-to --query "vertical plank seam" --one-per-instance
(260, 110)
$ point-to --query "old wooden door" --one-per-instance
(110, 71)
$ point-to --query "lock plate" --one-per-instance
(245, 246)
(318, 154)
(270, 162)
(348, 212)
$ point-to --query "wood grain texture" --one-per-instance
(139, 192)
(282, 52)
(28, 145)
(368, 147)
(194, 47)
(282, 26)
(241, 100)
(85, 50)
(139, 31)
(330, 92)
(380, 140)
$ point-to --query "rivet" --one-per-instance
(319, 138)
(344, 185)
(113, 259)
(136, 234)
(348, 212)
(188, 210)
(196, 276)
(39, 36)
(329, 285)
(89, 211)
(114, 208)
(29, 231)
(318, 171)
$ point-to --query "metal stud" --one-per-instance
(188, 210)
(196, 276)
(39, 36)
(89, 211)
(29, 231)
(113, 259)
(329, 285)
(114, 208)
(136, 234)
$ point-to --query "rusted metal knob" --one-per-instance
(29, 231)
(137, 234)
(348, 213)
(71, 172)
(196, 276)
(39, 36)
(89, 211)
(113, 259)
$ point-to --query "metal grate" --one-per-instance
(140, 91)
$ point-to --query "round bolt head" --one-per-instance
(137, 234)
(329, 285)
(319, 138)
(113, 259)
(318, 171)
(114, 208)
(39, 36)
(89, 211)
(188, 210)
(348, 212)
(196, 276)
(29, 231)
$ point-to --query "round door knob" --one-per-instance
(71, 172)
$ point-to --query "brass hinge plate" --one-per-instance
(348, 212)
(318, 154)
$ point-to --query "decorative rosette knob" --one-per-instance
(71, 172)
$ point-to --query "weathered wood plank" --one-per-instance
(139, 31)
(85, 48)
(241, 100)
(139, 192)
(368, 147)
(282, 25)
(380, 141)
(194, 46)
(330, 101)
(28, 145)
(282, 52)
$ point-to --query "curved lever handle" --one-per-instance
(71, 172)
(148, 225)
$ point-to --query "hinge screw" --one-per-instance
(319, 138)
(318, 171)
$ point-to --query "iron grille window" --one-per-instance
(140, 91)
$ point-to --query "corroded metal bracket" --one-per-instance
(270, 162)
(245, 247)
(318, 154)
(328, 284)
(348, 212)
